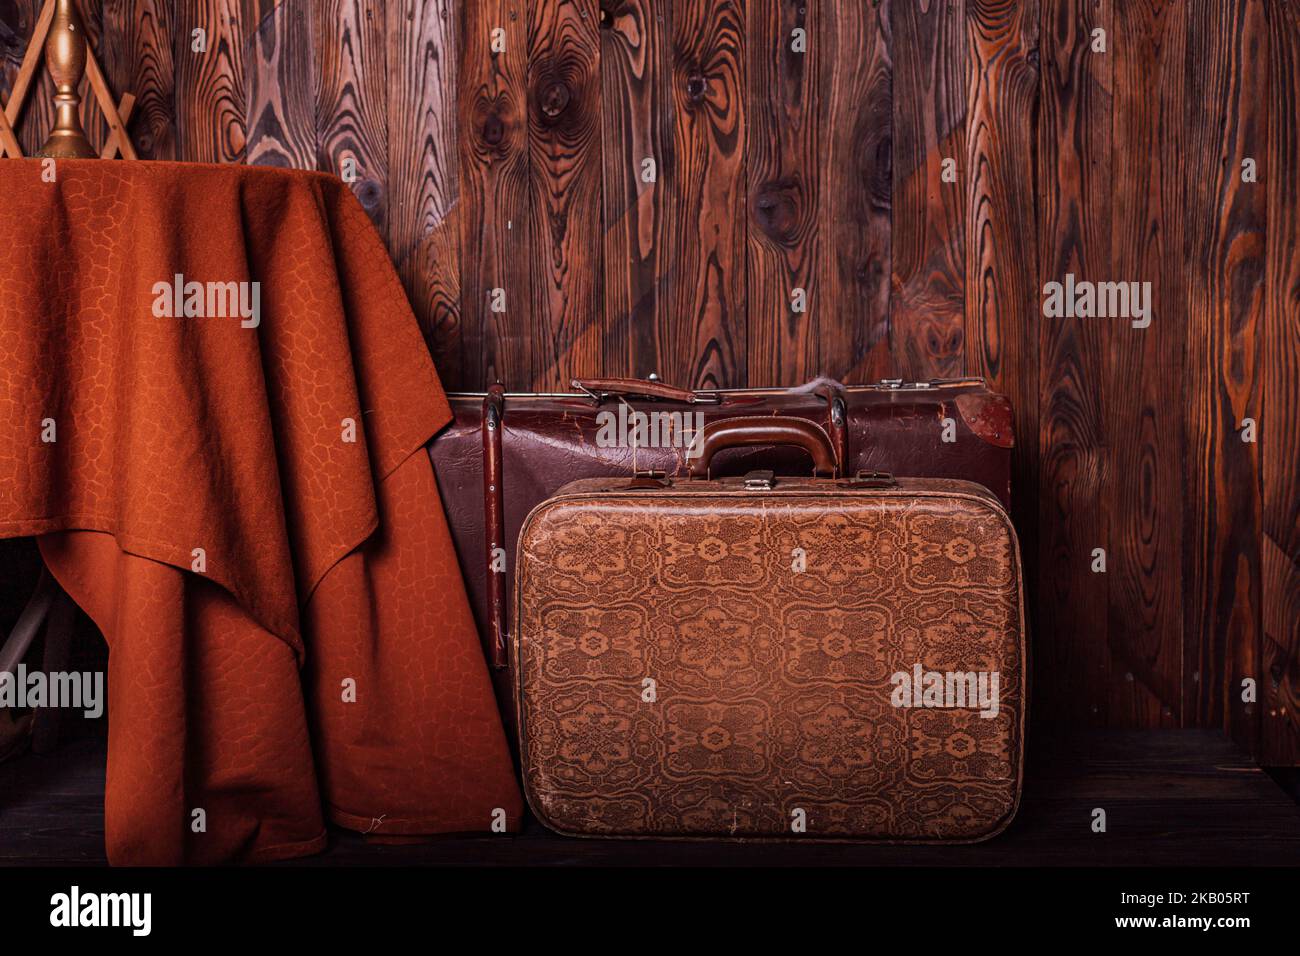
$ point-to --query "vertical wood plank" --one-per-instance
(424, 231)
(781, 156)
(1226, 123)
(1074, 235)
(1279, 423)
(351, 114)
(210, 93)
(708, 335)
(854, 259)
(637, 125)
(92, 117)
(136, 54)
(493, 144)
(564, 103)
(281, 119)
(928, 238)
(1144, 367)
(1002, 313)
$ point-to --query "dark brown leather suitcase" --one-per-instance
(760, 657)
(533, 444)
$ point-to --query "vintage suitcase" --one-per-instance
(533, 444)
(760, 657)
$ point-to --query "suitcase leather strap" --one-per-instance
(837, 418)
(494, 524)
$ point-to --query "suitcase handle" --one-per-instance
(602, 388)
(776, 430)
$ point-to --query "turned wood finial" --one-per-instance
(65, 58)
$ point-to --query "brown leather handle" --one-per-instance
(603, 388)
(776, 430)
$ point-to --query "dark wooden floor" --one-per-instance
(1176, 797)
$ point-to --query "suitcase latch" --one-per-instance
(761, 480)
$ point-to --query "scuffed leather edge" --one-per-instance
(988, 416)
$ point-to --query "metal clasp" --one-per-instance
(761, 480)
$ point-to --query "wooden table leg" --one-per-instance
(117, 134)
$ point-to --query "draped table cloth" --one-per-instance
(214, 399)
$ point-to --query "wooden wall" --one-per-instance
(920, 169)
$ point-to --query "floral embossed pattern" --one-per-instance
(679, 674)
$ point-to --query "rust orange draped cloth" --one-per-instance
(213, 402)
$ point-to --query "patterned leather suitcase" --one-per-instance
(761, 657)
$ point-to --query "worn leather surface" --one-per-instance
(183, 433)
(772, 689)
(549, 441)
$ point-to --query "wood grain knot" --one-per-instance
(696, 87)
(494, 131)
(370, 195)
(870, 273)
(776, 209)
(555, 99)
(882, 173)
(941, 342)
